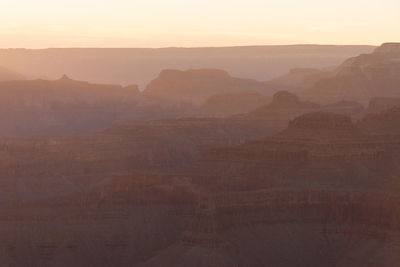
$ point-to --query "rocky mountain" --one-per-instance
(309, 191)
(37, 166)
(298, 79)
(195, 86)
(66, 106)
(361, 78)
(322, 192)
(285, 106)
(139, 66)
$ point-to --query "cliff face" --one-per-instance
(39, 166)
(290, 228)
(194, 86)
(361, 78)
(320, 193)
(106, 226)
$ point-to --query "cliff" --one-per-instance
(195, 86)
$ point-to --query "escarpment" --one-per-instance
(361, 78)
(316, 148)
(321, 190)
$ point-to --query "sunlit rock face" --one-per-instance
(194, 86)
(361, 78)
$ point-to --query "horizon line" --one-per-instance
(189, 47)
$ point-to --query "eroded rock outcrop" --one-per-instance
(361, 78)
(195, 86)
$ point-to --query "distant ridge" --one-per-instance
(141, 65)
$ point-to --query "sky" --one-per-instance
(195, 23)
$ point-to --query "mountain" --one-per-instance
(224, 105)
(320, 193)
(361, 78)
(297, 79)
(67, 106)
(139, 66)
(195, 86)
(9, 75)
(285, 106)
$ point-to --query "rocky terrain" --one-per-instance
(66, 106)
(322, 192)
(316, 181)
(275, 180)
(361, 78)
(195, 86)
(228, 104)
(139, 66)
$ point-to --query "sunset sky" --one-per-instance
(161, 23)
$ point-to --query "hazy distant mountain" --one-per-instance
(9, 75)
(297, 79)
(139, 66)
(222, 105)
(361, 78)
(195, 86)
(66, 106)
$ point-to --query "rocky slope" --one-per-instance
(320, 193)
(38, 166)
(361, 78)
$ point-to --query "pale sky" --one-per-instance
(188, 23)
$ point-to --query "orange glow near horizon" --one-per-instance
(161, 23)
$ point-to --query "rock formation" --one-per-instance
(361, 78)
(66, 106)
(195, 86)
(320, 193)
(140, 65)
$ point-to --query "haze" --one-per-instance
(159, 23)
